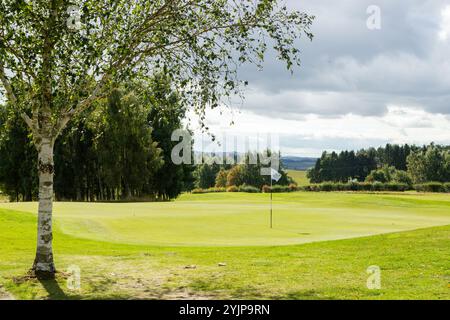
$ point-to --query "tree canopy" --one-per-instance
(57, 57)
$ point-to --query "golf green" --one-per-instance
(239, 219)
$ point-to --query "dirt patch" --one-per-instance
(185, 295)
(5, 295)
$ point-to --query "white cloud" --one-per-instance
(444, 33)
(356, 88)
(313, 134)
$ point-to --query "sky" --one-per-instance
(362, 83)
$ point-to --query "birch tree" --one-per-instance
(57, 57)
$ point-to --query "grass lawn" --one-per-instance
(299, 177)
(173, 250)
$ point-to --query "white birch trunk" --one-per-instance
(43, 264)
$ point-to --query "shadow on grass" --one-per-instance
(54, 291)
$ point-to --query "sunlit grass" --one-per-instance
(132, 251)
(299, 177)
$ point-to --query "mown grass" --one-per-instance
(299, 177)
(414, 264)
(240, 219)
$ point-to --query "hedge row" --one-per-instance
(357, 186)
(248, 189)
(210, 190)
(243, 188)
(330, 186)
(433, 187)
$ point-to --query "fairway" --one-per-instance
(237, 219)
(299, 177)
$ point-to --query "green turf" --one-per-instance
(141, 250)
(238, 219)
(299, 177)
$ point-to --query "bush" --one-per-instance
(353, 186)
(217, 189)
(249, 189)
(430, 187)
(198, 190)
(401, 176)
(221, 179)
(311, 188)
(447, 186)
(278, 189)
(381, 175)
(232, 189)
(327, 186)
(393, 186)
(365, 186)
(235, 176)
(356, 186)
(377, 186)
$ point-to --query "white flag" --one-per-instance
(274, 174)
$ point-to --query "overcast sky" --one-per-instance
(357, 87)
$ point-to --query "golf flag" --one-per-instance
(274, 174)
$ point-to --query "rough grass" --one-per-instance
(121, 261)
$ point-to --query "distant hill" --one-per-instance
(298, 163)
(289, 162)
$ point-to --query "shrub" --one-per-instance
(198, 190)
(232, 189)
(447, 186)
(377, 186)
(235, 176)
(249, 189)
(221, 179)
(217, 189)
(430, 187)
(365, 186)
(403, 177)
(393, 186)
(327, 187)
(339, 186)
(278, 189)
(313, 187)
(357, 186)
(381, 175)
(353, 186)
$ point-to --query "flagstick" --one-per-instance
(270, 202)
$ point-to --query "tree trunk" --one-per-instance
(43, 266)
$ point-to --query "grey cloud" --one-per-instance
(351, 69)
(328, 143)
(295, 104)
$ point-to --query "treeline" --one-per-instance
(120, 152)
(246, 173)
(394, 163)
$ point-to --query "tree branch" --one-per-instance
(27, 120)
(81, 106)
(7, 85)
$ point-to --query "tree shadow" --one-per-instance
(54, 290)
